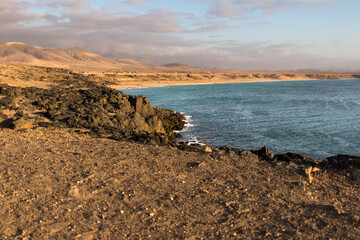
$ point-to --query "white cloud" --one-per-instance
(227, 9)
(78, 4)
(136, 3)
(231, 8)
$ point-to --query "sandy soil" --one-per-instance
(44, 77)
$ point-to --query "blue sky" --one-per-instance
(227, 34)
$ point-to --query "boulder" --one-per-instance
(264, 153)
(141, 105)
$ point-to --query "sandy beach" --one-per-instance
(131, 80)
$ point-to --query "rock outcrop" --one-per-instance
(102, 110)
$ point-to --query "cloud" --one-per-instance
(78, 4)
(98, 21)
(233, 8)
(12, 13)
(227, 9)
(157, 34)
(136, 3)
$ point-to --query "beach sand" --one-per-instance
(162, 79)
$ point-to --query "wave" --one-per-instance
(188, 120)
(140, 87)
(194, 140)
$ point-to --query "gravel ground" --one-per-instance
(59, 184)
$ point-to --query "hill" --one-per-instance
(74, 58)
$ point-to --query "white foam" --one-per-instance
(140, 87)
(188, 120)
(195, 140)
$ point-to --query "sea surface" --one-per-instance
(318, 118)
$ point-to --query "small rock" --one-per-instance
(74, 191)
(22, 123)
(208, 149)
(264, 153)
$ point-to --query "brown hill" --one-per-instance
(73, 58)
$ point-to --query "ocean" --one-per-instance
(319, 118)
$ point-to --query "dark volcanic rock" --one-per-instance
(171, 121)
(9, 90)
(102, 110)
(264, 153)
(106, 111)
(344, 161)
(141, 105)
(296, 158)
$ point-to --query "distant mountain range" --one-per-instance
(77, 59)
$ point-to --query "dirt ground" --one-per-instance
(59, 184)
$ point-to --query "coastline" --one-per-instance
(271, 99)
(157, 83)
(66, 175)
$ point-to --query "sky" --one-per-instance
(222, 34)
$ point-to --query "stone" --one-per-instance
(264, 153)
(208, 149)
(22, 124)
(155, 123)
(141, 105)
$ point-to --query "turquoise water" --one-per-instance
(314, 118)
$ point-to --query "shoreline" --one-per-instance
(65, 174)
(320, 152)
(146, 84)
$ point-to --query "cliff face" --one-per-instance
(95, 108)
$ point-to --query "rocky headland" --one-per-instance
(80, 103)
(80, 160)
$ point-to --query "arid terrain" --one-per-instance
(75, 59)
(80, 160)
(128, 80)
(124, 73)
